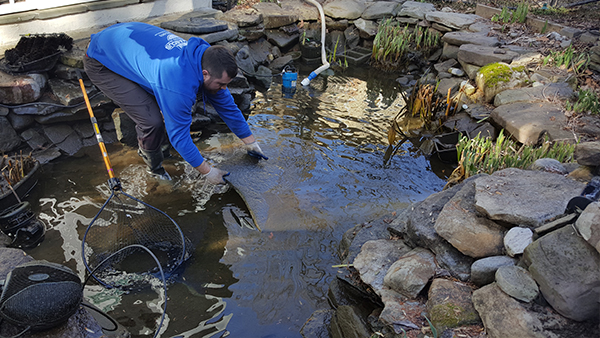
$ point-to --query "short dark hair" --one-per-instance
(217, 59)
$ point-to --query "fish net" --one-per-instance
(113, 240)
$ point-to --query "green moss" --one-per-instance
(495, 73)
(449, 315)
(518, 68)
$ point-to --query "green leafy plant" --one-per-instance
(482, 155)
(394, 41)
(568, 59)
(433, 329)
(506, 16)
(587, 102)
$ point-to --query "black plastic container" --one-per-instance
(22, 188)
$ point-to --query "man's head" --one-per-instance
(218, 68)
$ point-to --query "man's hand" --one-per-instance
(254, 150)
(215, 176)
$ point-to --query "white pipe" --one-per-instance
(325, 65)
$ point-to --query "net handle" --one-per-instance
(109, 169)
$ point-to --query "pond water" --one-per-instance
(326, 174)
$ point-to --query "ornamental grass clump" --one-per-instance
(587, 102)
(394, 42)
(482, 155)
(568, 59)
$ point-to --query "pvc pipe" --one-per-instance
(325, 65)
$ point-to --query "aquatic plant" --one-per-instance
(394, 41)
(14, 168)
(587, 102)
(482, 155)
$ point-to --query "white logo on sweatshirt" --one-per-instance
(172, 40)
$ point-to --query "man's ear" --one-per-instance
(204, 73)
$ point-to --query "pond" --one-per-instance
(326, 174)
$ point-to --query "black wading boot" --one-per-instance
(154, 161)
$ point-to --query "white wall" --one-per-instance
(79, 25)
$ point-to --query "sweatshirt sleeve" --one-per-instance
(223, 103)
(176, 110)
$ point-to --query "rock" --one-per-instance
(549, 165)
(34, 139)
(529, 122)
(366, 29)
(470, 70)
(305, 11)
(516, 240)
(409, 274)
(462, 38)
(20, 122)
(195, 25)
(244, 17)
(10, 258)
(47, 154)
(567, 270)
(317, 325)
(449, 305)
(588, 38)
(67, 92)
(560, 91)
(443, 67)
(483, 271)
(416, 226)
(524, 197)
(380, 9)
(449, 83)
(375, 258)
(344, 9)
(588, 224)
(517, 283)
(350, 322)
(498, 77)
(264, 76)
(19, 89)
(505, 317)
(275, 16)
(281, 39)
(414, 9)
(230, 33)
(462, 226)
(399, 311)
(354, 238)
(9, 140)
(73, 58)
(482, 55)
(252, 33)
(456, 21)
(450, 51)
(588, 153)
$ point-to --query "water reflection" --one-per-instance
(326, 173)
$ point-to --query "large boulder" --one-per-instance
(449, 304)
(524, 197)
(588, 224)
(19, 89)
(567, 270)
(497, 77)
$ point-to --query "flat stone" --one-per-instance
(305, 10)
(344, 9)
(34, 139)
(101, 105)
(483, 271)
(527, 122)
(450, 51)
(245, 17)
(461, 225)
(195, 25)
(461, 38)
(588, 225)
(441, 28)
(556, 224)
(414, 9)
(516, 240)
(67, 92)
(281, 39)
(514, 196)
(517, 283)
(588, 153)
(588, 38)
(444, 66)
(380, 9)
(9, 139)
(570, 32)
(411, 272)
(470, 69)
(549, 165)
(567, 270)
(19, 89)
(279, 64)
(456, 21)
(252, 33)
(275, 16)
(449, 305)
(484, 55)
(46, 155)
(230, 33)
(551, 91)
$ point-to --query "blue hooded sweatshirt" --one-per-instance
(170, 68)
